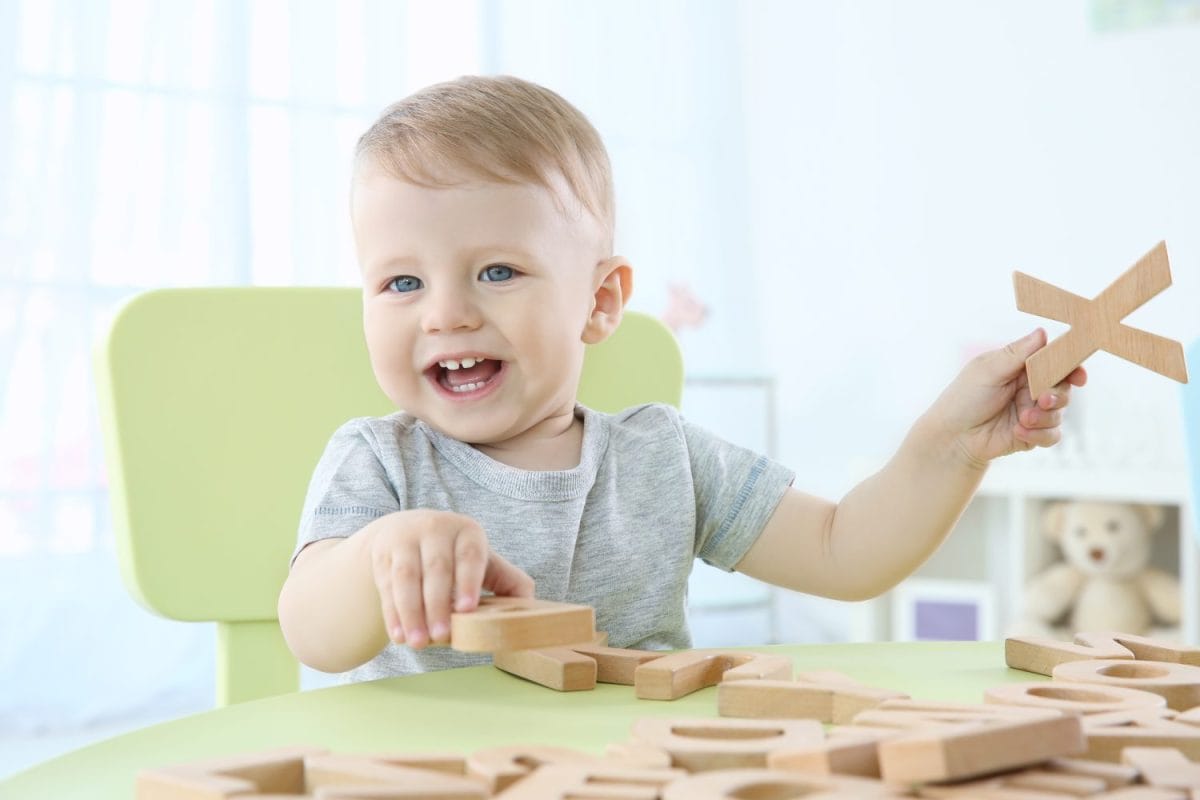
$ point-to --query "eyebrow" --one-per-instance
(501, 250)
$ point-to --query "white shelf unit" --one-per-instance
(997, 543)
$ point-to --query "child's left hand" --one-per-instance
(987, 408)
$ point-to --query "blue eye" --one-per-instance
(497, 272)
(405, 283)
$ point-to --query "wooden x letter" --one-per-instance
(1096, 324)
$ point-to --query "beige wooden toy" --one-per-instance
(575, 667)
(827, 697)
(617, 665)
(301, 772)
(700, 745)
(740, 784)
(848, 750)
(1178, 684)
(1096, 323)
(968, 750)
(1082, 698)
(559, 781)
(679, 674)
(1022, 783)
(500, 767)
(1109, 734)
(1163, 766)
(559, 668)
(1042, 655)
(637, 754)
(916, 714)
(513, 623)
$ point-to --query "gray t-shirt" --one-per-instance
(619, 532)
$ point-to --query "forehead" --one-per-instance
(467, 208)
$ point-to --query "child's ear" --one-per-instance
(614, 285)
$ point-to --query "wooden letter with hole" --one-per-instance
(514, 623)
(700, 745)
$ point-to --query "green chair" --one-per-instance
(215, 405)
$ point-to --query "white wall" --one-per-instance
(905, 158)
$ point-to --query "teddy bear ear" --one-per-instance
(1054, 517)
(1151, 515)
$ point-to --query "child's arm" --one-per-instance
(396, 578)
(891, 522)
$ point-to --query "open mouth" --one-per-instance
(467, 376)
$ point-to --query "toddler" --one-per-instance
(482, 211)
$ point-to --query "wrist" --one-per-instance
(940, 445)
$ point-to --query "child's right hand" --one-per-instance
(423, 560)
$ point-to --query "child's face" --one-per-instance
(486, 272)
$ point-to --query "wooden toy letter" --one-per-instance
(1096, 324)
(513, 623)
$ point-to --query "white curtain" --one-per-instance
(147, 144)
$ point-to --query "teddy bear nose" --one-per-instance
(1096, 553)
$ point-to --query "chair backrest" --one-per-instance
(215, 405)
(1191, 421)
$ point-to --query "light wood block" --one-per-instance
(638, 755)
(848, 750)
(1096, 323)
(616, 664)
(767, 783)
(1041, 655)
(1144, 648)
(345, 777)
(1082, 698)
(1109, 734)
(969, 750)
(916, 714)
(679, 674)
(558, 668)
(497, 768)
(512, 623)
(565, 781)
(1163, 766)
(301, 772)
(1113, 775)
(279, 770)
(1023, 783)
(700, 745)
(1178, 684)
(449, 763)
(766, 699)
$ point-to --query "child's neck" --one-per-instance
(551, 445)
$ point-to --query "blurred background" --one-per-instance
(825, 200)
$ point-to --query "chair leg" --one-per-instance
(253, 661)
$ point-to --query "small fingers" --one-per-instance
(1037, 437)
(470, 562)
(382, 567)
(437, 581)
(1060, 395)
(407, 595)
(506, 579)
(1037, 418)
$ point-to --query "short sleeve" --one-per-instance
(736, 489)
(349, 488)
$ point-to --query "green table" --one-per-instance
(466, 709)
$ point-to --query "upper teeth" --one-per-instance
(452, 363)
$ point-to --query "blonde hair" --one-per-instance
(498, 128)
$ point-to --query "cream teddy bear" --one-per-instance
(1104, 582)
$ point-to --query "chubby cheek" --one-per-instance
(392, 368)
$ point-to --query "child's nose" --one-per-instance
(448, 310)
